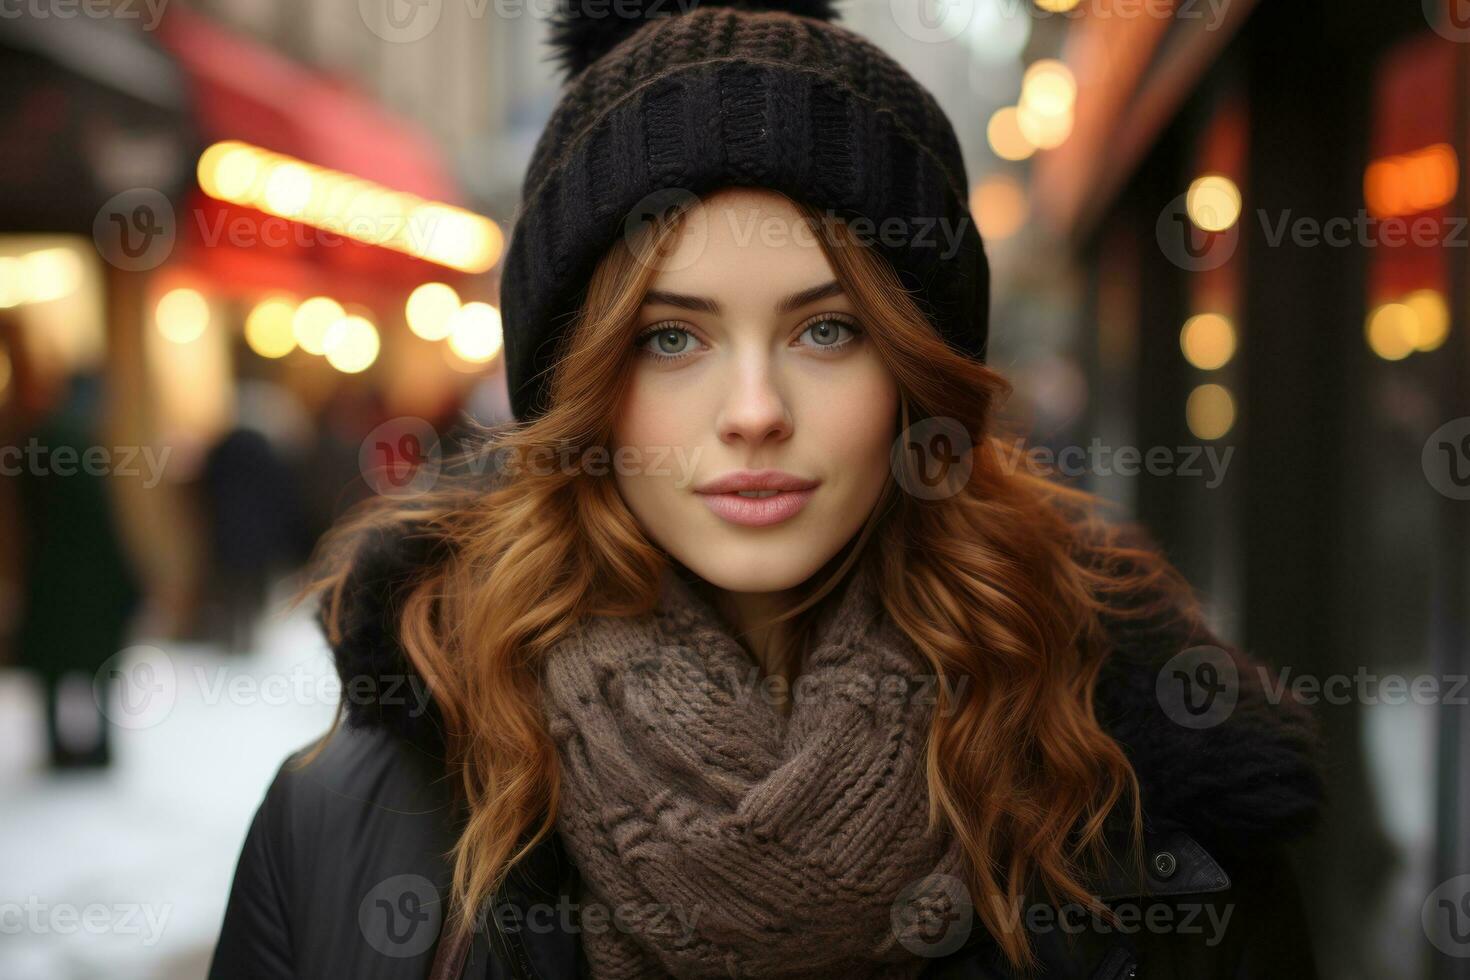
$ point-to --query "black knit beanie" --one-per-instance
(669, 99)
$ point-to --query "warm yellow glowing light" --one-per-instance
(1213, 202)
(1057, 6)
(269, 330)
(475, 332)
(352, 344)
(12, 290)
(350, 206)
(287, 189)
(1407, 183)
(236, 172)
(1048, 88)
(182, 315)
(1005, 136)
(1392, 330)
(430, 308)
(50, 273)
(1045, 132)
(1207, 340)
(998, 203)
(1210, 411)
(1431, 318)
(312, 320)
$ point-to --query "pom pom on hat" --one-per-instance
(584, 30)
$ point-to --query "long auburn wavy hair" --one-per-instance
(1002, 586)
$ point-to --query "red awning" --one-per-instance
(244, 91)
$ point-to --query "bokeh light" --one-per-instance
(475, 333)
(182, 315)
(430, 308)
(313, 319)
(268, 328)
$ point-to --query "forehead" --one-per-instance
(743, 242)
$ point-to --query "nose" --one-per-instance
(754, 410)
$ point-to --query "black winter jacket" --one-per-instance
(343, 871)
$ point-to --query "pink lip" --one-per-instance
(721, 496)
(755, 480)
(757, 511)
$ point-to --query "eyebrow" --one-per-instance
(704, 304)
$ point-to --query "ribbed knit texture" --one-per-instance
(722, 96)
(730, 840)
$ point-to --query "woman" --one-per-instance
(749, 651)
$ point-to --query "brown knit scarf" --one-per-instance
(718, 836)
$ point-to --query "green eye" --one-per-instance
(666, 343)
(826, 332)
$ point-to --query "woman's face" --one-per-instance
(747, 363)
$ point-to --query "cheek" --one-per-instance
(856, 424)
(653, 433)
(660, 409)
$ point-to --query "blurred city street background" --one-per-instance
(1230, 258)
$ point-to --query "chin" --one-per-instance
(762, 563)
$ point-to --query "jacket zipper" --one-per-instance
(520, 961)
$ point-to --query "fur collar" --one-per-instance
(1255, 775)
